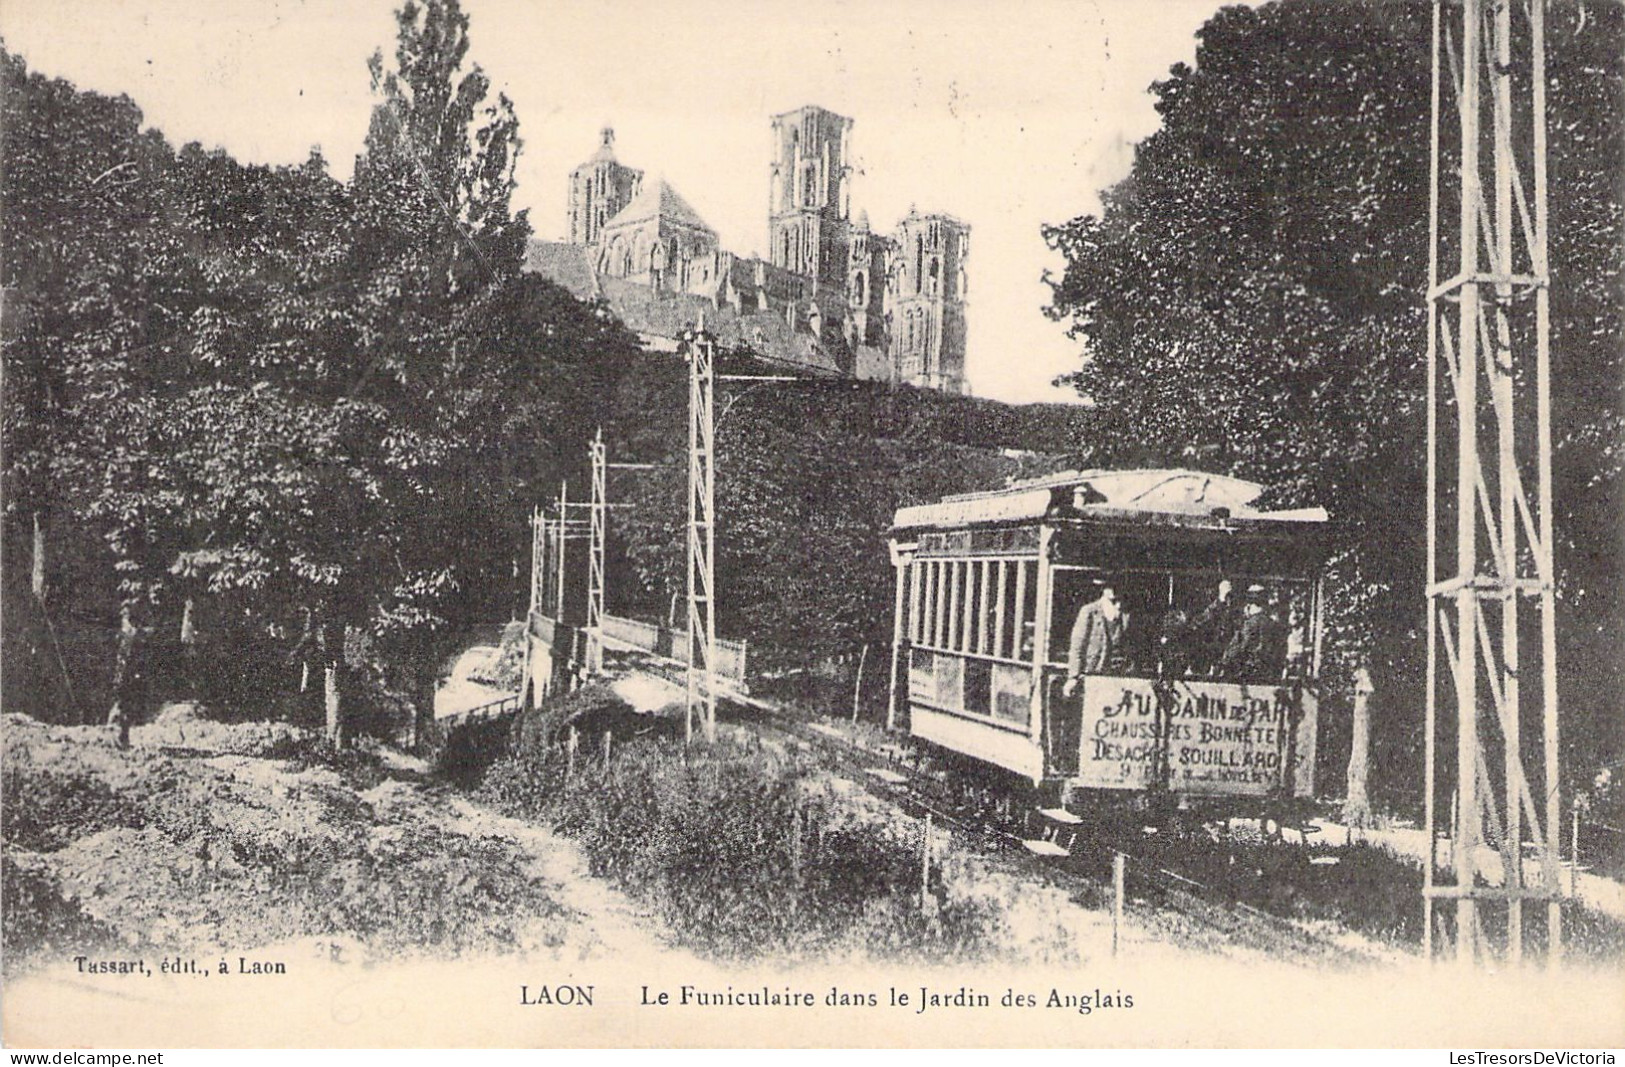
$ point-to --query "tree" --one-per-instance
(88, 284)
(1250, 299)
(168, 311)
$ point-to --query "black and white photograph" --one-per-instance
(1068, 523)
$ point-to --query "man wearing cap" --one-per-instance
(1097, 639)
(1257, 649)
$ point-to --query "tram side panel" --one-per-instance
(976, 708)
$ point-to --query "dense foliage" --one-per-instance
(809, 477)
(263, 425)
(1250, 300)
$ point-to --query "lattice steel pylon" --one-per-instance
(702, 634)
(538, 548)
(539, 535)
(595, 559)
(563, 528)
(1502, 540)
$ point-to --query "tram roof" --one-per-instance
(1154, 496)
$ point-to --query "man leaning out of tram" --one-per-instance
(1097, 643)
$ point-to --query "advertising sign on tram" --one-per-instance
(1197, 737)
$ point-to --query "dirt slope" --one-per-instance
(246, 836)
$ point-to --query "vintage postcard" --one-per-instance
(630, 524)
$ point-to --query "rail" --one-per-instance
(915, 791)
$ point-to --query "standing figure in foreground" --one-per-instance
(1097, 639)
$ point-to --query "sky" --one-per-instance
(1006, 115)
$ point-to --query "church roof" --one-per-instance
(667, 314)
(656, 199)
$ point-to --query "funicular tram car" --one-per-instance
(1197, 690)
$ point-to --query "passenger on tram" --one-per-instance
(1215, 628)
(1098, 639)
(1176, 645)
(1258, 649)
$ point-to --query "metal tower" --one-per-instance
(564, 524)
(595, 559)
(539, 536)
(1501, 552)
(700, 349)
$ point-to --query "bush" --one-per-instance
(741, 855)
(359, 763)
(38, 922)
(46, 811)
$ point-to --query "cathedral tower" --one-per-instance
(808, 197)
(866, 284)
(599, 189)
(925, 301)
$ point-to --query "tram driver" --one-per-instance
(1098, 639)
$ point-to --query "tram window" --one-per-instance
(916, 599)
(1026, 600)
(928, 581)
(940, 610)
(971, 588)
(977, 607)
(922, 613)
(1003, 608)
(988, 607)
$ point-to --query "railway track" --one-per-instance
(1082, 864)
(1081, 867)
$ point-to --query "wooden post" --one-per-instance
(608, 739)
(570, 754)
(1357, 805)
(1119, 866)
(857, 687)
(925, 861)
(332, 702)
(564, 523)
(1574, 853)
(795, 842)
